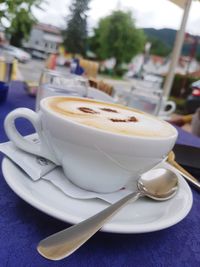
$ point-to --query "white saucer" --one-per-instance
(144, 215)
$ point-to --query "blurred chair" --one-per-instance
(2, 70)
(102, 86)
(9, 70)
(196, 123)
(16, 74)
(90, 67)
(181, 120)
(189, 122)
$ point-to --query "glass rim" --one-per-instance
(63, 75)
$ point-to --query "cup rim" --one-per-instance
(103, 132)
(63, 75)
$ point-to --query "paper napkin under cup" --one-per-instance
(40, 168)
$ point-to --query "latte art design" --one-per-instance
(131, 119)
(88, 110)
(91, 111)
(108, 117)
(109, 110)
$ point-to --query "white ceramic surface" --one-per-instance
(170, 105)
(144, 215)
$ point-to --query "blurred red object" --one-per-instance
(51, 62)
(196, 92)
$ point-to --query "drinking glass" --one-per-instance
(53, 83)
(150, 100)
(143, 99)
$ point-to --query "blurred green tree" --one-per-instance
(158, 47)
(116, 36)
(75, 35)
(18, 13)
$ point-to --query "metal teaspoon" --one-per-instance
(191, 179)
(158, 184)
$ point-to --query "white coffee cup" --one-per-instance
(93, 159)
(166, 108)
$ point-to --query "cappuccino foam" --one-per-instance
(109, 117)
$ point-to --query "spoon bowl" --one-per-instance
(158, 184)
(157, 188)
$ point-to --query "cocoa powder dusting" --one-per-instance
(87, 110)
(118, 120)
(133, 119)
(109, 110)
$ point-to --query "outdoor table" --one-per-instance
(23, 226)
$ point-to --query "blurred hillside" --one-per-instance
(167, 38)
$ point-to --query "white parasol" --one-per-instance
(185, 5)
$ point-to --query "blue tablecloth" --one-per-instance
(22, 226)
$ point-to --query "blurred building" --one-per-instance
(44, 39)
(160, 65)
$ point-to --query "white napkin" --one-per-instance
(39, 168)
(33, 165)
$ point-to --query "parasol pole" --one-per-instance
(176, 50)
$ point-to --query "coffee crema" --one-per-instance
(109, 117)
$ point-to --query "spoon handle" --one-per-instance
(64, 243)
(191, 179)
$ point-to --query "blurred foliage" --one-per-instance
(180, 104)
(116, 74)
(181, 89)
(116, 36)
(198, 56)
(20, 27)
(158, 47)
(18, 13)
(75, 35)
(181, 85)
(106, 74)
(167, 37)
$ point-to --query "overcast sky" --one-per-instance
(148, 13)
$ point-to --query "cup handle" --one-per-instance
(40, 149)
(172, 108)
